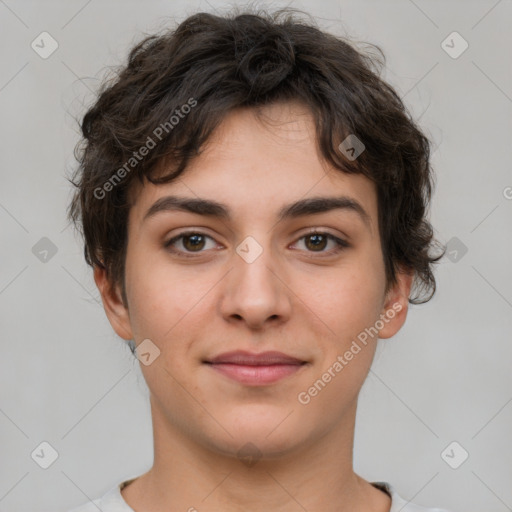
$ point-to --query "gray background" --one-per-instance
(66, 379)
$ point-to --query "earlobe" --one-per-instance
(116, 311)
(396, 305)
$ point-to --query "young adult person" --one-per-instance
(253, 201)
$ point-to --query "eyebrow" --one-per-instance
(211, 208)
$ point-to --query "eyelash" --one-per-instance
(341, 244)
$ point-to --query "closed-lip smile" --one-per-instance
(255, 369)
(247, 358)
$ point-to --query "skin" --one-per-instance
(292, 298)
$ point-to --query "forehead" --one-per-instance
(256, 161)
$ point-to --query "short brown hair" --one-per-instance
(249, 59)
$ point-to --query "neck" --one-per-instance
(189, 476)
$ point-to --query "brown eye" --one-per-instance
(316, 242)
(191, 242)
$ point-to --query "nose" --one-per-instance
(254, 290)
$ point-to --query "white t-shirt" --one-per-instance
(113, 501)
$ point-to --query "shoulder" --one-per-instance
(92, 506)
(111, 501)
(399, 504)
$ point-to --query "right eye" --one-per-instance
(192, 241)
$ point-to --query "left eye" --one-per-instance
(319, 240)
(194, 242)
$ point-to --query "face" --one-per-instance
(306, 284)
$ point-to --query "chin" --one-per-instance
(267, 439)
(251, 449)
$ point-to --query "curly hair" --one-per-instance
(250, 59)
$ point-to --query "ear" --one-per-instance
(116, 311)
(396, 304)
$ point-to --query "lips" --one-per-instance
(244, 358)
(260, 369)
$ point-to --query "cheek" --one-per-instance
(349, 306)
(164, 301)
(351, 298)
